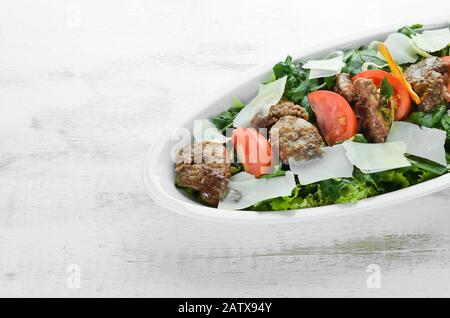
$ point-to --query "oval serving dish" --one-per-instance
(159, 173)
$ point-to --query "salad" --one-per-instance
(352, 125)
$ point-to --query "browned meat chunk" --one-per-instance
(428, 79)
(259, 122)
(295, 137)
(283, 108)
(372, 121)
(286, 108)
(204, 167)
(344, 87)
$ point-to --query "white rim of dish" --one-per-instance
(193, 209)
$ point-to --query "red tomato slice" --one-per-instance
(335, 117)
(447, 59)
(253, 151)
(402, 100)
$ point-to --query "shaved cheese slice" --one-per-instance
(419, 50)
(328, 64)
(204, 130)
(333, 164)
(422, 142)
(324, 68)
(400, 48)
(268, 95)
(432, 40)
(322, 73)
(370, 158)
(242, 176)
(246, 190)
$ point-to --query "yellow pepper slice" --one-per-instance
(397, 71)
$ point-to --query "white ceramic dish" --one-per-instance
(158, 170)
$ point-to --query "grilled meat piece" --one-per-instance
(259, 122)
(283, 108)
(204, 167)
(344, 87)
(286, 108)
(372, 121)
(295, 137)
(428, 79)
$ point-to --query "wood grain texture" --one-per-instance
(85, 88)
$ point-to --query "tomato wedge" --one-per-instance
(447, 59)
(335, 117)
(253, 151)
(402, 100)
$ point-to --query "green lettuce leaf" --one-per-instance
(351, 190)
(302, 197)
(319, 194)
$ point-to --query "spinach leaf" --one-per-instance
(236, 168)
(226, 118)
(445, 124)
(431, 119)
(297, 79)
(360, 138)
(427, 165)
(307, 106)
(410, 30)
(386, 88)
(444, 52)
(386, 105)
(356, 60)
(277, 172)
(298, 83)
(353, 62)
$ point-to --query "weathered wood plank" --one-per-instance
(81, 103)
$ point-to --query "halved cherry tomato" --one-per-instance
(335, 117)
(402, 100)
(253, 151)
(447, 59)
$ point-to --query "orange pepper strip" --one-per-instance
(397, 71)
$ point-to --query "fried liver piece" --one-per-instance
(204, 167)
(344, 87)
(429, 79)
(295, 137)
(372, 122)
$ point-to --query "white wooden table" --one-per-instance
(85, 88)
